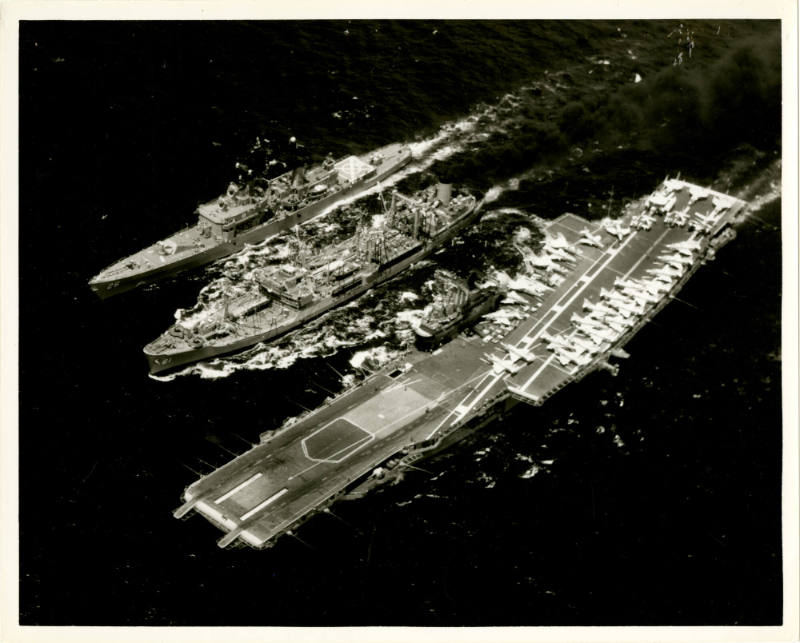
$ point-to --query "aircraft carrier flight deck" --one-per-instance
(614, 276)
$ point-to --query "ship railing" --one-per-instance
(419, 449)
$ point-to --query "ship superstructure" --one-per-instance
(454, 308)
(617, 281)
(284, 296)
(249, 214)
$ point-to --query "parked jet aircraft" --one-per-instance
(622, 304)
(643, 221)
(618, 324)
(518, 353)
(599, 308)
(667, 272)
(558, 241)
(687, 246)
(542, 261)
(681, 218)
(636, 308)
(499, 365)
(588, 321)
(613, 295)
(587, 346)
(704, 222)
(567, 357)
(589, 239)
(615, 228)
(676, 257)
(555, 340)
(640, 295)
(598, 336)
(561, 254)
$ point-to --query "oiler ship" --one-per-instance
(284, 296)
(249, 214)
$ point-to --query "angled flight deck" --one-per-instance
(629, 271)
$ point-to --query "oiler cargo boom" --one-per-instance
(250, 214)
(621, 274)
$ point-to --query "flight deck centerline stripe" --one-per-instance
(542, 322)
(238, 488)
(646, 254)
(268, 501)
(558, 302)
(355, 446)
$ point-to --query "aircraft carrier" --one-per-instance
(613, 277)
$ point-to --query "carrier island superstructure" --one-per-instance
(610, 278)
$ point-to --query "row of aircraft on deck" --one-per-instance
(604, 322)
(618, 309)
(664, 199)
(551, 262)
(662, 202)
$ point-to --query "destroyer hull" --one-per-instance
(107, 285)
(160, 362)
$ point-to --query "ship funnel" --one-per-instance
(443, 192)
(298, 176)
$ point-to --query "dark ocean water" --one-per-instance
(656, 496)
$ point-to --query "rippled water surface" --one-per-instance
(649, 498)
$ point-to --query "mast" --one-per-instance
(610, 198)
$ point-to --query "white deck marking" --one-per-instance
(611, 253)
(644, 256)
(238, 488)
(356, 446)
(300, 473)
(208, 510)
(460, 409)
(400, 385)
(471, 405)
(268, 501)
(548, 362)
(482, 376)
(538, 371)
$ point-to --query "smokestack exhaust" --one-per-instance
(444, 192)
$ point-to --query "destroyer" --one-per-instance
(251, 213)
(284, 296)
